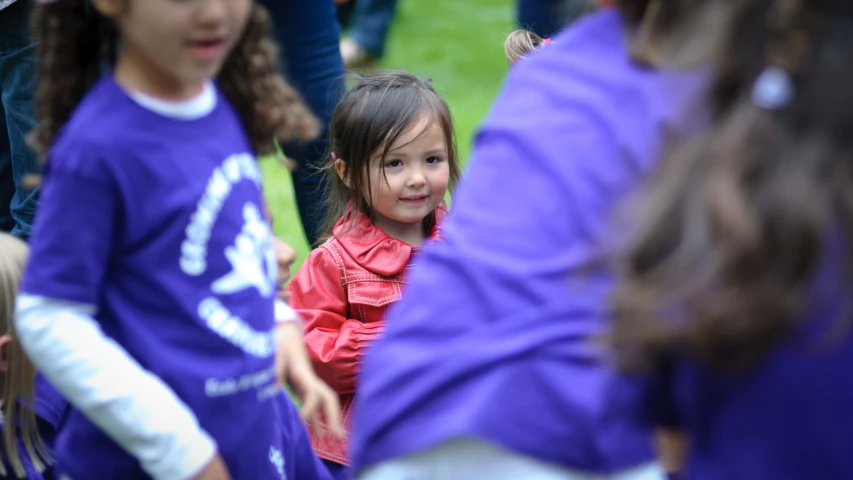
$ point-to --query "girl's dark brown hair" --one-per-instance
(736, 222)
(19, 383)
(633, 10)
(519, 44)
(663, 32)
(376, 110)
(76, 43)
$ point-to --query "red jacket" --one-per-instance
(342, 291)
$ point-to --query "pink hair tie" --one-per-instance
(334, 157)
(546, 41)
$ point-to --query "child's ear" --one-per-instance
(341, 170)
(5, 342)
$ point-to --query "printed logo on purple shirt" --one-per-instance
(253, 266)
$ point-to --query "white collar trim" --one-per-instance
(191, 109)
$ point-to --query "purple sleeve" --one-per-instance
(74, 232)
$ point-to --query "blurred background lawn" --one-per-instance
(456, 43)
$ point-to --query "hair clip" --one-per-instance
(546, 41)
(773, 89)
(334, 157)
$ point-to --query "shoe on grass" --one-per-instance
(355, 56)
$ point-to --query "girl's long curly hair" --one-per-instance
(736, 222)
(76, 43)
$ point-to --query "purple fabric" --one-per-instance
(338, 471)
(300, 461)
(158, 222)
(494, 336)
(789, 418)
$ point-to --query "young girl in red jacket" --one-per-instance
(393, 157)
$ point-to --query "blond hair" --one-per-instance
(520, 43)
(19, 383)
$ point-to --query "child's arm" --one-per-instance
(335, 342)
(672, 449)
(293, 368)
(661, 411)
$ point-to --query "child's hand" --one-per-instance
(214, 470)
(285, 255)
(293, 368)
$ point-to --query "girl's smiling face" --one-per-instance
(171, 47)
(412, 180)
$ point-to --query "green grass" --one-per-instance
(456, 43)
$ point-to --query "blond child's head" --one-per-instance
(521, 43)
(17, 374)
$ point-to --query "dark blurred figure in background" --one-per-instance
(309, 36)
(547, 17)
(368, 22)
(17, 117)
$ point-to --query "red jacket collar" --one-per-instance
(373, 249)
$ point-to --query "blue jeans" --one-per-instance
(547, 17)
(370, 22)
(308, 33)
(17, 118)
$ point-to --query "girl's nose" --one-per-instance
(212, 11)
(416, 179)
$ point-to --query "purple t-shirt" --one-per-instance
(158, 222)
(788, 418)
(494, 338)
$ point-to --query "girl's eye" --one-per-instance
(432, 160)
(394, 163)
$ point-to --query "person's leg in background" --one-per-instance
(309, 35)
(345, 11)
(547, 17)
(7, 184)
(17, 108)
(567, 11)
(368, 32)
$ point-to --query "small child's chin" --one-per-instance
(411, 219)
(412, 216)
(416, 212)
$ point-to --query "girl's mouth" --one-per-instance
(207, 50)
(415, 199)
